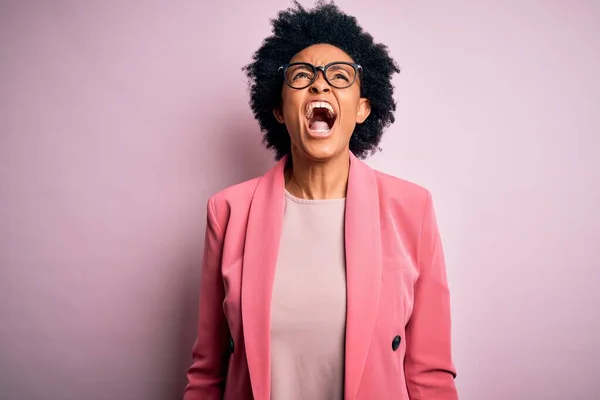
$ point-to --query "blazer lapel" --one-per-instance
(363, 272)
(363, 269)
(261, 249)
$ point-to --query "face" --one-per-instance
(320, 118)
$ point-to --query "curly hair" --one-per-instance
(295, 29)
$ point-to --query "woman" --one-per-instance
(322, 279)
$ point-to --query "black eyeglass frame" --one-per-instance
(357, 69)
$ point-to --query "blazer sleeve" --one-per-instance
(207, 374)
(429, 368)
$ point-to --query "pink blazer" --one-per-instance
(398, 306)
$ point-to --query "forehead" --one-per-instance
(321, 54)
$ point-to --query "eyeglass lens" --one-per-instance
(339, 75)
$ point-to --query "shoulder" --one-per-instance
(407, 205)
(233, 199)
(400, 193)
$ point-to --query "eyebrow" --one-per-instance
(301, 66)
(339, 66)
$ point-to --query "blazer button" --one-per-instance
(396, 343)
(231, 345)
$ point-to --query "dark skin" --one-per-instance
(321, 164)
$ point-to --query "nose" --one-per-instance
(320, 85)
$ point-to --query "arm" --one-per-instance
(206, 376)
(429, 368)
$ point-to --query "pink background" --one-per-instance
(119, 118)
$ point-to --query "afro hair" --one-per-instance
(295, 29)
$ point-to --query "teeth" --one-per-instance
(319, 104)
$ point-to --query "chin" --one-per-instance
(322, 150)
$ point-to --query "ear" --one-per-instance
(363, 110)
(278, 115)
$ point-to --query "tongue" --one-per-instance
(319, 126)
(318, 123)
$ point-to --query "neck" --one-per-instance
(315, 180)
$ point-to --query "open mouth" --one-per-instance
(321, 117)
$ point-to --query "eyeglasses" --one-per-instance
(339, 74)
